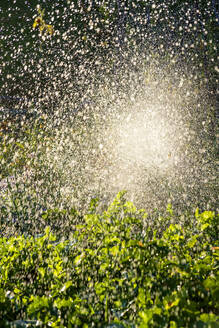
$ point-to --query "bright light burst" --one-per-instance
(146, 139)
(124, 98)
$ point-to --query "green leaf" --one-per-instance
(100, 288)
(130, 208)
(37, 304)
(114, 250)
(191, 243)
(41, 271)
(93, 205)
(17, 291)
(60, 303)
(169, 209)
(92, 219)
(208, 215)
(66, 286)
(78, 259)
(172, 304)
(20, 145)
(47, 231)
(104, 266)
(204, 226)
(209, 317)
(141, 296)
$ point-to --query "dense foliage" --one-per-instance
(119, 268)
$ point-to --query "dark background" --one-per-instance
(30, 66)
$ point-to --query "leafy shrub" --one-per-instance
(113, 272)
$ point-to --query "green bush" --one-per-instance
(114, 271)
